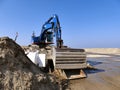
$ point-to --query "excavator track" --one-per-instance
(71, 62)
(69, 58)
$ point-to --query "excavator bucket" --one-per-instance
(70, 74)
(77, 74)
(71, 62)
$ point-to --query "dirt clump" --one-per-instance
(17, 72)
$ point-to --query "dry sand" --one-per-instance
(107, 74)
(17, 72)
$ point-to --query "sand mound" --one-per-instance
(103, 50)
(17, 72)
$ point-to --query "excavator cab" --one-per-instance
(49, 37)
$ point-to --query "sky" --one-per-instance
(84, 23)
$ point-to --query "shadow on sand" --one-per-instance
(93, 63)
(93, 69)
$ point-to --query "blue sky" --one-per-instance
(85, 23)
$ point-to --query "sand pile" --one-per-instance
(17, 72)
(103, 50)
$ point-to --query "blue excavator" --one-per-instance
(50, 29)
(58, 56)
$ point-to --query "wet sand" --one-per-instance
(105, 77)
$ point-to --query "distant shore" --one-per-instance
(102, 52)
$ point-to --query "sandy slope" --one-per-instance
(17, 72)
